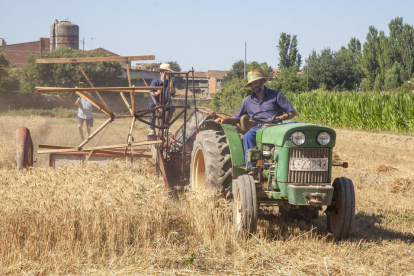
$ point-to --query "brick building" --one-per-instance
(17, 53)
(215, 78)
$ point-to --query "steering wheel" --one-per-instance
(270, 120)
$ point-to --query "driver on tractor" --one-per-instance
(264, 105)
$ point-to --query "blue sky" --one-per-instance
(206, 35)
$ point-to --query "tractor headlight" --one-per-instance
(297, 138)
(323, 138)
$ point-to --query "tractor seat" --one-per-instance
(245, 123)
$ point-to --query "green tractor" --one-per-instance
(291, 168)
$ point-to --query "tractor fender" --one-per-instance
(235, 145)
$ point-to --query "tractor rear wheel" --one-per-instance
(304, 213)
(24, 148)
(245, 205)
(211, 166)
(341, 213)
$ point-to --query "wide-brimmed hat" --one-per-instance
(254, 75)
(164, 67)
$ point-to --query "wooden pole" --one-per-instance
(94, 59)
(126, 103)
(93, 102)
(151, 94)
(100, 148)
(97, 142)
(129, 138)
(90, 83)
(95, 132)
(140, 89)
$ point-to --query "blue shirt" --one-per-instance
(272, 100)
(158, 82)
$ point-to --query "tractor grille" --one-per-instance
(308, 176)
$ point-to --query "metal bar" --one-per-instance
(185, 124)
(93, 102)
(90, 83)
(94, 59)
(95, 132)
(179, 114)
(195, 107)
(162, 120)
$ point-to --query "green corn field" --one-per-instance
(356, 110)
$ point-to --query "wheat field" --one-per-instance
(119, 220)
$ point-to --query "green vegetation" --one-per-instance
(68, 75)
(354, 110)
(9, 80)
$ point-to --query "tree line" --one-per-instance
(381, 63)
(101, 74)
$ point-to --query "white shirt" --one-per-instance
(85, 109)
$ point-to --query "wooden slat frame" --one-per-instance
(93, 59)
(140, 89)
(99, 148)
(90, 83)
(92, 101)
(95, 132)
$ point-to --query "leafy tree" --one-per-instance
(263, 68)
(370, 58)
(332, 70)
(9, 80)
(365, 85)
(381, 53)
(237, 71)
(230, 96)
(378, 83)
(288, 53)
(101, 74)
(393, 77)
(288, 80)
(355, 52)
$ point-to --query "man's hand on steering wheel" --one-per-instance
(272, 120)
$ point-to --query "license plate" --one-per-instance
(308, 164)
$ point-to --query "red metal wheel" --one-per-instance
(24, 148)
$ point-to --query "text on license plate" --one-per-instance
(308, 164)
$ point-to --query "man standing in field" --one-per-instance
(84, 114)
(262, 99)
(156, 94)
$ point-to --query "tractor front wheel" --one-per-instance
(211, 166)
(341, 213)
(245, 205)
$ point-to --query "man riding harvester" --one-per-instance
(268, 162)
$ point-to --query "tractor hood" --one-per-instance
(280, 135)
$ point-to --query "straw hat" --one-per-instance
(164, 67)
(254, 75)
